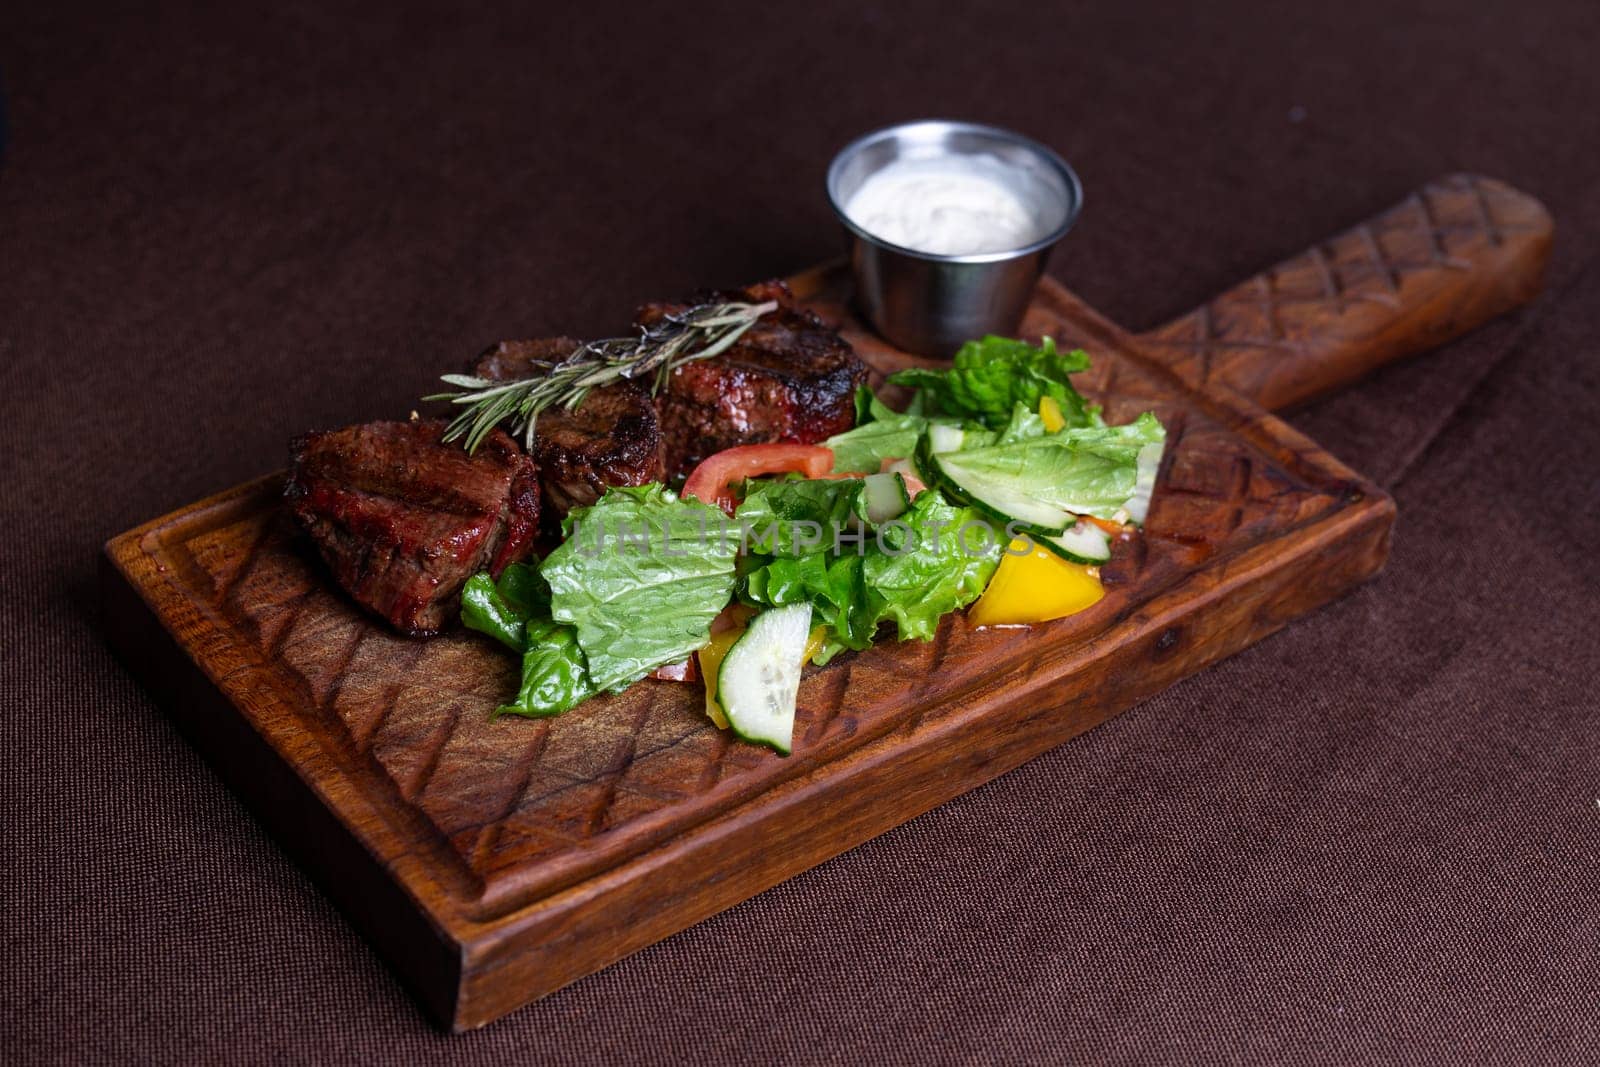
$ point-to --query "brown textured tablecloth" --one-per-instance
(1374, 837)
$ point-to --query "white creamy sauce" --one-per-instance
(946, 206)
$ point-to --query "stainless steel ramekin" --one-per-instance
(931, 304)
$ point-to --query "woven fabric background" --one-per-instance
(1374, 837)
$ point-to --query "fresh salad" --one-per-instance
(998, 489)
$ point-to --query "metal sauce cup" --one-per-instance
(932, 304)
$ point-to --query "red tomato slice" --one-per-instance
(713, 480)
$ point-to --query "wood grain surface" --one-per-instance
(492, 862)
(1454, 253)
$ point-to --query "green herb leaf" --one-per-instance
(697, 333)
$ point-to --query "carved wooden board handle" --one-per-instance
(1454, 254)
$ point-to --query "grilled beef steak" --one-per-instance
(510, 360)
(789, 378)
(613, 438)
(404, 520)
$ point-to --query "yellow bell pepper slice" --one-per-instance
(711, 658)
(1035, 587)
(1050, 414)
(814, 641)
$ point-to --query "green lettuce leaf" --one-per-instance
(880, 433)
(639, 578)
(869, 408)
(794, 517)
(939, 561)
(502, 609)
(1087, 471)
(1025, 424)
(516, 612)
(988, 378)
(555, 677)
(912, 571)
(830, 582)
(863, 449)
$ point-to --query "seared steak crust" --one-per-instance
(613, 438)
(510, 360)
(404, 520)
(789, 378)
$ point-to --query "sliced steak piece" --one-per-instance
(613, 438)
(404, 520)
(789, 378)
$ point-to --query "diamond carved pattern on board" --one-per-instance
(1359, 275)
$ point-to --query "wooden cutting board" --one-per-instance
(493, 862)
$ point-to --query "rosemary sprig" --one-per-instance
(698, 333)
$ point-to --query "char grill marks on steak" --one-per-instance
(789, 378)
(612, 438)
(404, 520)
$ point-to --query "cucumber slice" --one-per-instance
(996, 499)
(760, 677)
(943, 438)
(1083, 543)
(1144, 484)
(886, 497)
(905, 468)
